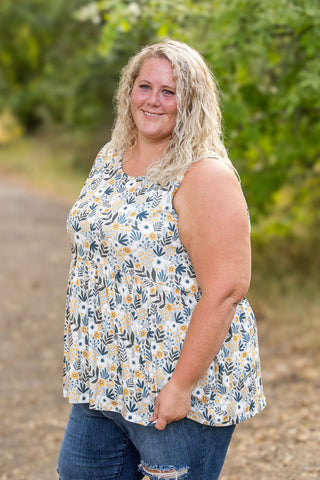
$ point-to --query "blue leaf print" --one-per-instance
(132, 407)
(130, 200)
(76, 226)
(110, 394)
(144, 297)
(135, 236)
(108, 191)
(118, 299)
(168, 368)
(123, 239)
(94, 246)
(82, 296)
(118, 276)
(104, 374)
(178, 317)
(122, 218)
(163, 277)
(159, 251)
(237, 397)
(129, 264)
(83, 388)
(247, 368)
(171, 297)
(140, 384)
(142, 215)
(221, 389)
(246, 337)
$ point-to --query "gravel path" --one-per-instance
(282, 443)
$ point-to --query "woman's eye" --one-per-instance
(144, 87)
(168, 92)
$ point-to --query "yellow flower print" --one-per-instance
(112, 275)
(159, 354)
(138, 266)
(137, 348)
(113, 315)
(136, 280)
(101, 382)
(86, 244)
(169, 218)
(74, 375)
(169, 307)
(244, 355)
(133, 214)
(97, 335)
(127, 250)
(125, 392)
(183, 328)
(152, 291)
(111, 181)
(171, 269)
(115, 226)
(203, 399)
(229, 360)
(193, 288)
(113, 368)
(138, 374)
(84, 329)
(114, 403)
(129, 299)
(85, 354)
(143, 333)
(153, 236)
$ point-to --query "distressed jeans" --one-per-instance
(104, 446)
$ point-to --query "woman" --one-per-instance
(161, 352)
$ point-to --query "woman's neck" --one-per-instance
(142, 156)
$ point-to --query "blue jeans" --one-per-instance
(104, 446)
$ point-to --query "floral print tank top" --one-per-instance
(131, 293)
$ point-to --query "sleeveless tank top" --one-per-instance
(131, 293)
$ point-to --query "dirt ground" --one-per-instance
(282, 443)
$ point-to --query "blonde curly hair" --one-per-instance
(197, 133)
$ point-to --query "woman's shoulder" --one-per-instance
(209, 174)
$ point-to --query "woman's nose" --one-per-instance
(154, 98)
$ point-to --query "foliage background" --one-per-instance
(59, 67)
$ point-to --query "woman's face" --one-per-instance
(153, 100)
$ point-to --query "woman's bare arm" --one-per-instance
(214, 229)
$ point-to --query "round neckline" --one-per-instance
(131, 177)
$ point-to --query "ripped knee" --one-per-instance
(154, 472)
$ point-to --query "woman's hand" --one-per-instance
(172, 404)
